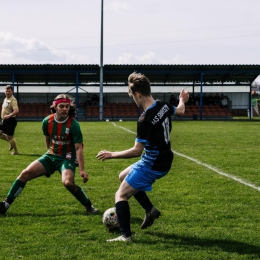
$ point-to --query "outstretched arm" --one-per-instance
(135, 151)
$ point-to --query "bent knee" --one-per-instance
(26, 175)
(121, 177)
(69, 185)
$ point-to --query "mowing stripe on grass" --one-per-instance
(233, 177)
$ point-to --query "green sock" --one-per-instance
(15, 190)
(81, 196)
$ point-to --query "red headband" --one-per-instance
(61, 100)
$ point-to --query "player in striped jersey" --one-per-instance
(64, 143)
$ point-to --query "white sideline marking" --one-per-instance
(123, 128)
(233, 177)
(218, 171)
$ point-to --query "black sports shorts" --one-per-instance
(8, 126)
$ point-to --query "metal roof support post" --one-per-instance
(101, 95)
(101, 68)
(201, 94)
(77, 93)
(17, 91)
(13, 80)
(250, 102)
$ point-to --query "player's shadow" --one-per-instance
(30, 154)
(47, 215)
(29, 214)
(229, 246)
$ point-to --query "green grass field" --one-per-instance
(205, 214)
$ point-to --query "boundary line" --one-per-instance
(233, 177)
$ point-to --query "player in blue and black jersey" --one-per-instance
(64, 143)
(152, 143)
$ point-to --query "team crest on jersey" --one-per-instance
(67, 131)
(68, 156)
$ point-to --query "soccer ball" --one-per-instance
(110, 219)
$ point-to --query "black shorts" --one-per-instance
(8, 126)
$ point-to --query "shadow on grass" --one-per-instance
(30, 154)
(48, 215)
(229, 246)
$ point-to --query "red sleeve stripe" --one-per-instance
(50, 127)
(69, 149)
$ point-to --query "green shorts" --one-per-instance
(53, 163)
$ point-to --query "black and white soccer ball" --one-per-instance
(110, 219)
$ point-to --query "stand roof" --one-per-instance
(169, 75)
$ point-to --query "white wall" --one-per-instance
(239, 95)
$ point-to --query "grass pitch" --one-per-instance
(205, 215)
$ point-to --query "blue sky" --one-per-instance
(135, 32)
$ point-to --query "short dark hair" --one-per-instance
(9, 87)
(72, 111)
(138, 82)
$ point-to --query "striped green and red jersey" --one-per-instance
(63, 136)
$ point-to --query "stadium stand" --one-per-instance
(208, 112)
(116, 111)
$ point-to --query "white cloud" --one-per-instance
(129, 58)
(15, 50)
(150, 58)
